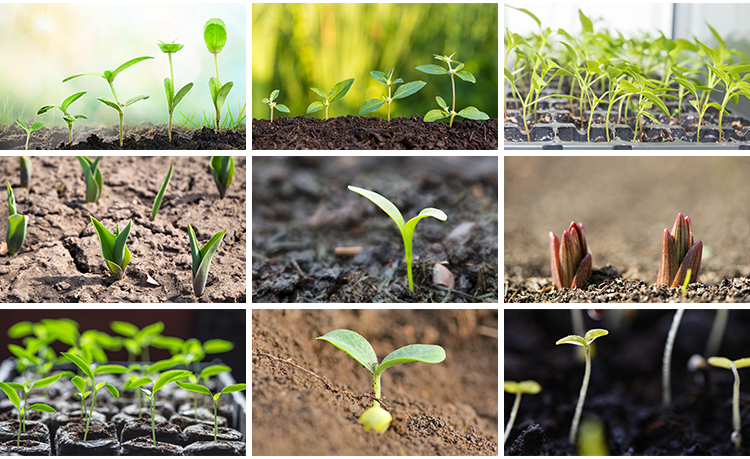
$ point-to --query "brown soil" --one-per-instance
(61, 260)
(448, 408)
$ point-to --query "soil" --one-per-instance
(625, 203)
(61, 260)
(361, 133)
(303, 211)
(438, 409)
(144, 446)
(625, 390)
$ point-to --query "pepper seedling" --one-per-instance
(584, 341)
(17, 225)
(358, 348)
(222, 168)
(202, 258)
(403, 91)
(679, 254)
(10, 389)
(114, 249)
(164, 379)
(570, 261)
(518, 388)
(25, 172)
(272, 104)
(70, 119)
(338, 91)
(34, 127)
(215, 36)
(172, 99)
(723, 362)
(407, 229)
(197, 388)
(92, 176)
(160, 194)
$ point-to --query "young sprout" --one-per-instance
(114, 249)
(34, 127)
(202, 258)
(405, 90)
(407, 229)
(666, 389)
(70, 119)
(93, 178)
(678, 251)
(338, 91)
(723, 362)
(272, 104)
(584, 341)
(358, 348)
(215, 36)
(222, 168)
(10, 390)
(197, 388)
(172, 99)
(17, 225)
(518, 388)
(160, 195)
(25, 172)
(570, 261)
(164, 379)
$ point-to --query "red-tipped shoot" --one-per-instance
(678, 254)
(570, 262)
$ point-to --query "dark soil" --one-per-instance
(448, 408)
(625, 390)
(361, 133)
(303, 211)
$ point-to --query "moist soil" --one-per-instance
(625, 203)
(303, 211)
(61, 259)
(448, 408)
(625, 390)
(361, 133)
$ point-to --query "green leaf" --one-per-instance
(80, 363)
(353, 344)
(466, 76)
(387, 206)
(265, 100)
(124, 328)
(12, 395)
(112, 390)
(432, 69)
(213, 370)
(133, 100)
(529, 13)
(167, 377)
(742, 363)
(124, 66)
(66, 103)
(657, 101)
(595, 333)
(82, 74)
(315, 106)
(628, 86)
(108, 102)
(47, 381)
(135, 383)
(38, 125)
(370, 106)
(20, 329)
(112, 247)
(397, 80)
(217, 346)
(282, 108)
(473, 113)
(721, 362)
(380, 76)
(46, 108)
(523, 387)
(23, 354)
(274, 94)
(118, 251)
(441, 103)
(169, 48)
(204, 256)
(434, 115)
(573, 339)
(340, 89)
(223, 93)
(169, 90)
(588, 26)
(110, 369)
(427, 353)
(408, 89)
(79, 382)
(234, 388)
(16, 234)
(160, 194)
(215, 35)
(222, 169)
(195, 388)
(41, 407)
(319, 92)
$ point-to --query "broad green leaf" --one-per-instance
(408, 89)
(20, 329)
(41, 407)
(265, 100)
(340, 89)
(742, 363)
(217, 346)
(282, 108)
(124, 328)
(223, 93)
(22, 353)
(213, 370)
(441, 103)
(408, 231)
(214, 87)
(315, 106)
(12, 394)
(169, 90)
(427, 353)
(370, 106)
(466, 76)
(234, 388)
(38, 125)
(215, 35)
(206, 253)
(47, 381)
(66, 103)
(161, 365)
(79, 382)
(721, 362)
(112, 390)
(523, 387)
(110, 369)
(434, 115)
(716, 35)
(460, 66)
(118, 251)
(167, 377)
(397, 80)
(80, 363)
(133, 100)
(124, 66)
(353, 344)
(169, 48)
(274, 94)
(135, 383)
(387, 206)
(195, 388)
(595, 333)
(319, 92)
(572, 52)
(473, 113)
(160, 194)
(657, 101)
(588, 26)
(628, 86)
(572, 339)
(380, 76)
(16, 234)
(108, 102)
(46, 108)
(432, 69)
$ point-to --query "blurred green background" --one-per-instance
(299, 46)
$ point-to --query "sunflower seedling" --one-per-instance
(358, 348)
(202, 258)
(518, 388)
(114, 249)
(723, 362)
(70, 119)
(679, 254)
(34, 127)
(25, 172)
(338, 91)
(404, 90)
(272, 104)
(172, 99)
(93, 178)
(570, 261)
(407, 229)
(215, 36)
(23, 409)
(197, 388)
(222, 168)
(164, 379)
(160, 195)
(17, 225)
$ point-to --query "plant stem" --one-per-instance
(581, 398)
(376, 387)
(218, 83)
(736, 435)
(216, 422)
(513, 413)
(667, 360)
(28, 136)
(717, 332)
(171, 108)
(121, 115)
(153, 417)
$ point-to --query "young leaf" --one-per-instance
(473, 114)
(380, 76)
(432, 69)
(202, 258)
(370, 106)
(353, 344)
(387, 206)
(434, 115)
(215, 35)
(340, 89)
(426, 353)
(234, 388)
(12, 394)
(80, 363)
(160, 195)
(195, 388)
(408, 89)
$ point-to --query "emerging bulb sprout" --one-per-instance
(723, 362)
(570, 261)
(679, 254)
(518, 388)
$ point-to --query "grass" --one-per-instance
(229, 121)
(6, 116)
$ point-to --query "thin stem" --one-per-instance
(153, 417)
(218, 83)
(736, 435)
(121, 115)
(376, 387)
(513, 413)
(216, 422)
(667, 360)
(717, 332)
(581, 398)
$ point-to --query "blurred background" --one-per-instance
(41, 44)
(297, 46)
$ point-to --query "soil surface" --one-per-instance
(625, 203)
(625, 390)
(361, 133)
(303, 211)
(61, 260)
(448, 408)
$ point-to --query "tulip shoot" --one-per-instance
(17, 225)
(202, 258)
(570, 261)
(679, 254)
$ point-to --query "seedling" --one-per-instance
(110, 75)
(137, 339)
(197, 388)
(471, 113)
(25, 172)
(723, 362)
(358, 348)
(222, 168)
(17, 225)
(10, 390)
(570, 261)
(407, 229)
(667, 359)
(403, 91)
(215, 36)
(70, 119)
(93, 178)
(584, 341)
(338, 91)
(202, 258)
(114, 249)
(679, 253)
(272, 104)
(162, 190)
(34, 127)
(172, 99)
(518, 388)
(165, 378)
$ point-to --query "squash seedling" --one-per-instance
(164, 379)
(584, 341)
(723, 362)
(34, 127)
(518, 388)
(10, 389)
(338, 91)
(222, 168)
(17, 225)
(679, 254)
(70, 119)
(358, 348)
(114, 249)
(202, 258)
(404, 90)
(172, 98)
(215, 36)
(272, 104)
(407, 229)
(160, 195)
(666, 389)
(197, 388)
(93, 178)
(25, 172)
(570, 261)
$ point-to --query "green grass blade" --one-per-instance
(207, 254)
(194, 250)
(118, 252)
(160, 195)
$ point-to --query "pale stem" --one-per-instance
(736, 435)
(389, 103)
(153, 417)
(171, 108)
(376, 387)
(717, 332)
(218, 113)
(513, 413)
(666, 390)
(581, 397)
(216, 421)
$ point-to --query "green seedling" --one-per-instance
(358, 348)
(114, 249)
(205, 375)
(584, 341)
(34, 127)
(25, 172)
(471, 113)
(197, 388)
(70, 119)
(272, 104)
(518, 388)
(222, 168)
(141, 378)
(679, 254)
(10, 389)
(162, 190)
(215, 36)
(338, 91)
(17, 225)
(93, 177)
(666, 389)
(403, 91)
(407, 229)
(109, 76)
(137, 340)
(202, 258)
(165, 378)
(172, 99)
(723, 362)
(570, 261)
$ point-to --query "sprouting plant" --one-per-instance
(25, 172)
(202, 258)
(471, 113)
(358, 348)
(403, 91)
(137, 340)
(272, 104)
(215, 36)
(70, 119)
(679, 253)
(205, 375)
(114, 249)
(110, 76)
(34, 127)
(162, 190)
(518, 388)
(666, 389)
(10, 389)
(164, 379)
(648, 96)
(93, 177)
(723, 362)
(172, 99)
(717, 332)
(17, 225)
(584, 341)
(222, 168)
(570, 261)
(197, 388)
(338, 91)
(407, 229)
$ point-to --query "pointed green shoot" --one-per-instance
(17, 225)
(92, 176)
(25, 165)
(222, 168)
(113, 246)
(160, 195)
(202, 258)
